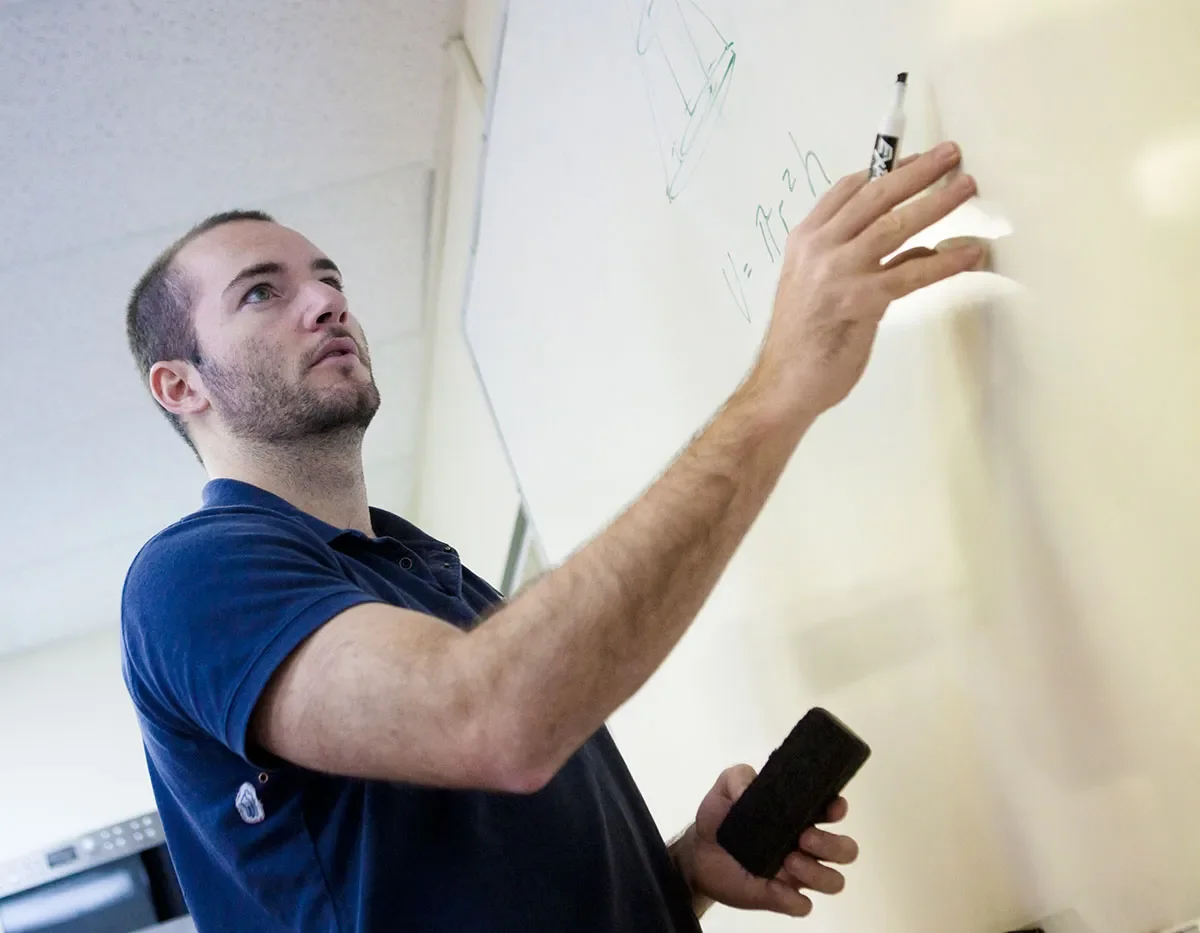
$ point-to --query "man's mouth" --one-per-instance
(339, 349)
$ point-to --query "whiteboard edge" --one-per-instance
(476, 222)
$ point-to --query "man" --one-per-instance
(345, 728)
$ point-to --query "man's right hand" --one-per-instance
(834, 288)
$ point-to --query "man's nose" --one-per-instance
(323, 305)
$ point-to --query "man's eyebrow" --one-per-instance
(274, 268)
(253, 272)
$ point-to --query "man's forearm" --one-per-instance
(576, 644)
(549, 668)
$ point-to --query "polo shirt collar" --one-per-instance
(226, 493)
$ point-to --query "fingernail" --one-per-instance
(945, 150)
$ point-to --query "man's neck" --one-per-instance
(323, 478)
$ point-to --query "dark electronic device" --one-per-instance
(794, 789)
(113, 880)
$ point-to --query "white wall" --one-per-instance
(465, 491)
(71, 754)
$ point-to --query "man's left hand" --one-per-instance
(714, 874)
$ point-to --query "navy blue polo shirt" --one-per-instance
(211, 607)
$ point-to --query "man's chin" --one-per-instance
(357, 412)
(359, 416)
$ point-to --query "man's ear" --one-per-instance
(178, 388)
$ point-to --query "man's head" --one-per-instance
(242, 332)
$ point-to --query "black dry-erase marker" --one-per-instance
(794, 790)
(887, 140)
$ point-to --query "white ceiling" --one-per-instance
(124, 122)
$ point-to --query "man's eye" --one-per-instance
(258, 294)
(333, 282)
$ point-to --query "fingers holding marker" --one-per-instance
(888, 233)
(833, 289)
(871, 206)
(881, 195)
(846, 187)
(834, 199)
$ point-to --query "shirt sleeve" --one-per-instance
(212, 607)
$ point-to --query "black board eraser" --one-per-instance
(794, 789)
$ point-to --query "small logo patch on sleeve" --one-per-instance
(249, 807)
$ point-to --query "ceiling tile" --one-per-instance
(120, 115)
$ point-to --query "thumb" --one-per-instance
(917, 252)
(921, 252)
(737, 779)
(985, 260)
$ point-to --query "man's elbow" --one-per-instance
(519, 755)
(511, 744)
(526, 779)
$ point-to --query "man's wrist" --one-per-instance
(683, 853)
(765, 401)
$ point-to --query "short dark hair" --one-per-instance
(158, 319)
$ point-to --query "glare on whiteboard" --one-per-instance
(1166, 175)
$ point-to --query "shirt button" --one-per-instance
(406, 563)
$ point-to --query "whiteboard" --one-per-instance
(637, 290)
(981, 558)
